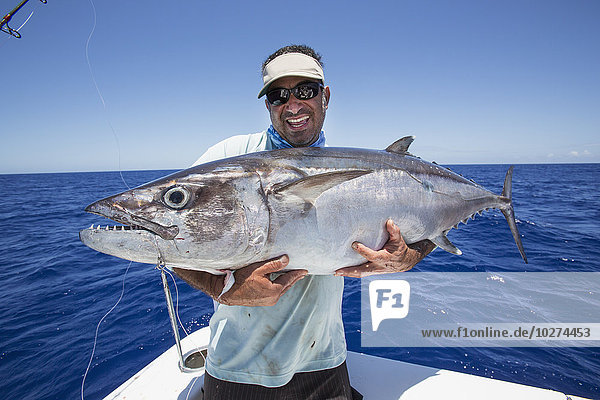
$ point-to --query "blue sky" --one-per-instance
(475, 81)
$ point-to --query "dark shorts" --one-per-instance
(328, 384)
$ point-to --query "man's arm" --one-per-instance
(252, 287)
(395, 256)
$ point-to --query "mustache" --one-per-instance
(289, 114)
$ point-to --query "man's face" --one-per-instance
(298, 121)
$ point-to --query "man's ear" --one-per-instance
(327, 93)
(267, 105)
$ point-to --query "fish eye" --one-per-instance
(176, 197)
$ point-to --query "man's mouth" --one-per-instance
(299, 122)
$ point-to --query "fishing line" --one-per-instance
(87, 58)
(98, 328)
(87, 46)
(177, 302)
(161, 266)
(186, 332)
(19, 28)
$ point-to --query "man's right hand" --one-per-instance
(253, 286)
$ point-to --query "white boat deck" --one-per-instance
(375, 377)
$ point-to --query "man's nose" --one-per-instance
(294, 105)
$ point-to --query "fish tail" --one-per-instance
(507, 189)
(509, 212)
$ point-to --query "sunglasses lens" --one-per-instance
(278, 97)
(306, 91)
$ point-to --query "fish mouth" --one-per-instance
(117, 213)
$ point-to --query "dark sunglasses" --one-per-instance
(302, 91)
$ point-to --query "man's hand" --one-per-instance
(252, 287)
(395, 256)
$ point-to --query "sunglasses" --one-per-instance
(302, 91)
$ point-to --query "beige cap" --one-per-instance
(291, 64)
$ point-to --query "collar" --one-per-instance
(280, 143)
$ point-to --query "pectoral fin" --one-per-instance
(442, 242)
(307, 189)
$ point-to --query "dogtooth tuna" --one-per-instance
(309, 203)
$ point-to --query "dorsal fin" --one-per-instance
(400, 146)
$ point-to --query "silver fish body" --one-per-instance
(308, 203)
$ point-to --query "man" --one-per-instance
(283, 338)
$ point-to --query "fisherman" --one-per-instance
(279, 335)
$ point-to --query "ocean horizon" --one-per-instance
(167, 170)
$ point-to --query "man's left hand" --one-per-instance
(395, 256)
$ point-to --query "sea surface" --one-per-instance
(55, 290)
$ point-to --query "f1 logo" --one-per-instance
(389, 300)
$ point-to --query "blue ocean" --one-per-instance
(55, 290)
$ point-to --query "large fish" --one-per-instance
(308, 203)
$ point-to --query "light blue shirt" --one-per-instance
(267, 345)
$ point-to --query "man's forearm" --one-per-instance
(210, 284)
(253, 286)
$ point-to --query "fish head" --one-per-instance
(192, 219)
